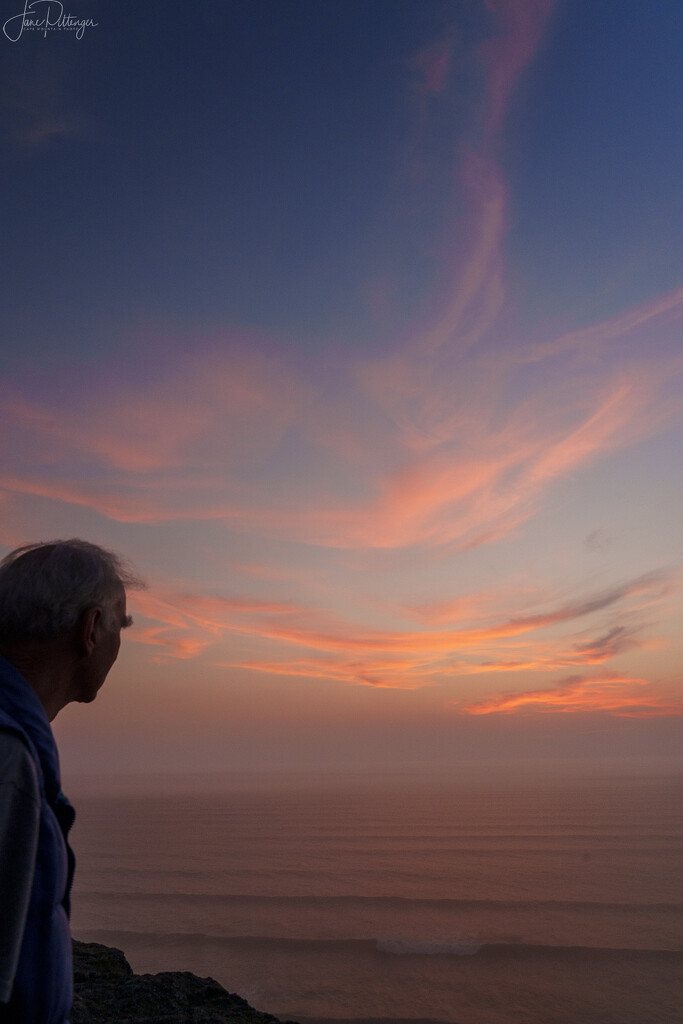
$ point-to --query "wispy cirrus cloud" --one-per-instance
(214, 409)
(432, 65)
(181, 624)
(450, 438)
(462, 479)
(551, 656)
(437, 443)
(397, 673)
(521, 25)
(649, 586)
(653, 315)
(211, 446)
(615, 694)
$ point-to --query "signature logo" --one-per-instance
(45, 16)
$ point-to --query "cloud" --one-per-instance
(460, 480)
(651, 585)
(214, 409)
(182, 624)
(466, 608)
(476, 273)
(432, 65)
(187, 623)
(521, 24)
(445, 441)
(387, 673)
(612, 693)
(550, 656)
(450, 435)
(597, 540)
(213, 444)
(653, 315)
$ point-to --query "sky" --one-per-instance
(355, 328)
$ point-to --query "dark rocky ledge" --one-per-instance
(107, 992)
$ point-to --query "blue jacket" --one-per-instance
(43, 986)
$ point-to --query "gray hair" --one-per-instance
(46, 587)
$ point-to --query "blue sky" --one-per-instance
(357, 328)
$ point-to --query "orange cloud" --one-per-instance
(462, 472)
(465, 608)
(652, 585)
(616, 694)
(549, 657)
(478, 484)
(434, 498)
(184, 624)
(426, 447)
(381, 673)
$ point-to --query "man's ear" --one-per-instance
(89, 629)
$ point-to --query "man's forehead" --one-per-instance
(119, 604)
(125, 620)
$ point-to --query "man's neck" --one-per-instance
(44, 667)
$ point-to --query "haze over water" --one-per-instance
(489, 902)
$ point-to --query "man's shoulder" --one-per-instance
(17, 766)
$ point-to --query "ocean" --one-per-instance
(399, 899)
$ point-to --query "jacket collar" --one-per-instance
(21, 703)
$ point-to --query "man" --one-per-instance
(62, 609)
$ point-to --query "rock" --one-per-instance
(107, 992)
(93, 963)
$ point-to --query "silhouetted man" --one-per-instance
(62, 609)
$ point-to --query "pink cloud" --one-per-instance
(612, 693)
(507, 54)
(477, 273)
(129, 504)
(433, 65)
(651, 315)
(650, 586)
(380, 673)
(222, 409)
(185, 623)
(434, 444)
(466, 608)
(452, 439)
(478, 482)
(432, 468)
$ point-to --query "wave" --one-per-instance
(381, 901)
(460, 947)
(371, 1020)
(400, 947)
